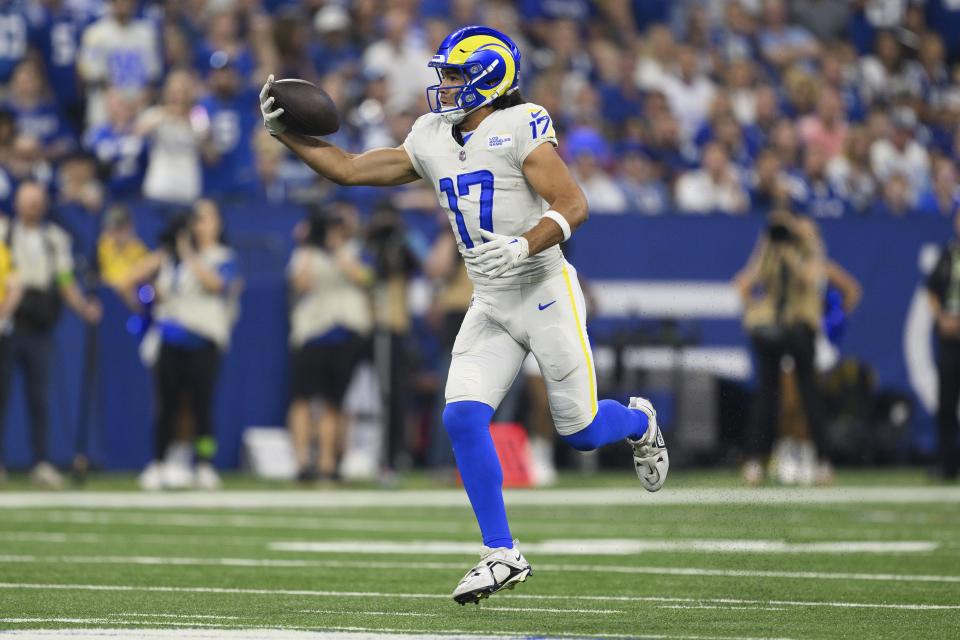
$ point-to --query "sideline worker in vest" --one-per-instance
(41, 255)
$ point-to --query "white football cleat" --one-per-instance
(205, 477)
(649, 452)
(176, 475)
(498, 569)
(46, 475)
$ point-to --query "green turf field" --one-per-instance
(877, 556)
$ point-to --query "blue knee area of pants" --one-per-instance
(612, 423)
(468, 425)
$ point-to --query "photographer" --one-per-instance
(394, 264)
(197, 287)
(782, 291)
(41, 255)
(943, 292)
(329, 323)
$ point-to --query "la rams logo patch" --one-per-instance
(500, 141)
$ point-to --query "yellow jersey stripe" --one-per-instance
(583, 343)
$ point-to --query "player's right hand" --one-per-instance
(271, 116)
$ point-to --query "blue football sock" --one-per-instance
(613, 422)
(468, 424)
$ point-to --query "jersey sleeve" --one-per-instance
(411, 143)
(534, 127)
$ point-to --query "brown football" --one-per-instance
(307, 108)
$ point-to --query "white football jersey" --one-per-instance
(481, 184)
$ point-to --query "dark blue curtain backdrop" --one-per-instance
(883, 254)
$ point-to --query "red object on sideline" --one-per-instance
(513, 449)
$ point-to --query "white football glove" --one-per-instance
(498, 254)
(271, 117)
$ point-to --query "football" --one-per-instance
(307, 109)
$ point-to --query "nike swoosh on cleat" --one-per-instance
(544, 306)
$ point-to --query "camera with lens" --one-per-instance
(177, 224)
(387, 240)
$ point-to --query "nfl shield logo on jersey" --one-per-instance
(463, 155)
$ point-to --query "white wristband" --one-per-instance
(560, 220)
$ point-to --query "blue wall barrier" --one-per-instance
(885, 255)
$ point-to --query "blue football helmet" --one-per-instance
(489, 64)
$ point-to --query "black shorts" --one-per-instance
(324, 370)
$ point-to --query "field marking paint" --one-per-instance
(238, 521)
(611, 547)
(714, 606)
(457, 498)
(605, 612)
(105, 621)
(439, 596)
(173, 615)
(444, 566)
(340, 633)
(409, 614)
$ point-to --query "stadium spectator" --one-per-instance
(588, 150)
(230, 106)
(782, 44)
(335, 49)
(41, 255)
(58, 39)
(330, 321)
(900, 153)
(943, 293)
(689, 91)
(768, 185)
(20, 19)
(895, 199)
(817, 195)
(119, 149)
(119, 252)
(641, 184)
(656, 59)
(780, 287)
(35, 112)
(400, 57)
(824, 19)
(10, 293)
(179, 135)
(26, 162)
(943, 198)
(197, 285)
(119, 50)
(714, 189)
(826, 130)
(851, 174)
(884, 76)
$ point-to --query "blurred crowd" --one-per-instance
(831, 107)
(828, 108)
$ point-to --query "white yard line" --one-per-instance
(457, 498)
(605, 612)
(239, 521)
(409, 614)
(453, 566)
(611, 547)
(191, 616)
(713, 606)
(439, 596)
(334, 633)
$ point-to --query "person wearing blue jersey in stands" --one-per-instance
(233, 119)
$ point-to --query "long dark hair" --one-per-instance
(507, 101)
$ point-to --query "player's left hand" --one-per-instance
(498, 254)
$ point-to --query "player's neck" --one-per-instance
(473, 120)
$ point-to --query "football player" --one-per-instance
(510, 199)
